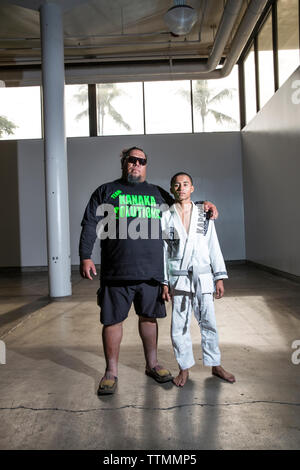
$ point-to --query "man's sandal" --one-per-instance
(107, 386)
(161, 375)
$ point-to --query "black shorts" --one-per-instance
(115, 299)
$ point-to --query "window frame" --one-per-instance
(270, 9)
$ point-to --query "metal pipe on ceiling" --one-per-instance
(229, 17)
(203, 13)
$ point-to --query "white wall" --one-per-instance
(214, 160)
(271, 168)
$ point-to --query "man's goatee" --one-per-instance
(133, 179)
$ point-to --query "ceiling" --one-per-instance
(106, 30)
(127, 40)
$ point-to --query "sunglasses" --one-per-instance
(134, 160)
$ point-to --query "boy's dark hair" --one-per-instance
(178, 174)
(126, 152)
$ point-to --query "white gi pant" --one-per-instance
(203, 305)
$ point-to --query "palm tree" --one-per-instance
(107, 92)
(6, 126)
(204, 97)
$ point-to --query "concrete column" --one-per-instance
(56, 172)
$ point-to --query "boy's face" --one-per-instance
(182, 188)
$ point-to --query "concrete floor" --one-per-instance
(54, 361)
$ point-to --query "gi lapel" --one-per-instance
(179, 225)
(191, 238)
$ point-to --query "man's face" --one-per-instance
(134, 171)
(182, 188)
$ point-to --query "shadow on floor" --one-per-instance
(9, 319)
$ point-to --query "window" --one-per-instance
(77, 110)
(120, 108)
(216, 104)
(126, 108)
(168, 107)
(250, 86)
(288, 38)
(20, 113)
(286, 15)
(266, 62)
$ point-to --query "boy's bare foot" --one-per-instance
(218, 371)
(181, 378)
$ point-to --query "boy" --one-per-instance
(193, 262)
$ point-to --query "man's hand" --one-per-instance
(85, 266)
(219, 289)
(209, 206)
(165, 293)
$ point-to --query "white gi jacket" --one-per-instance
(193, 258)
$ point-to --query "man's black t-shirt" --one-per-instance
(131, 244)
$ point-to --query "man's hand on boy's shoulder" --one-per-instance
(210, 207)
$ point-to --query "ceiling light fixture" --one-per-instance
(180, 18)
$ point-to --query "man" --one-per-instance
(131, 266)
(194, 269)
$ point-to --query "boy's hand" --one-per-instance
(209, 206)
(165, 293)
(219, 289)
